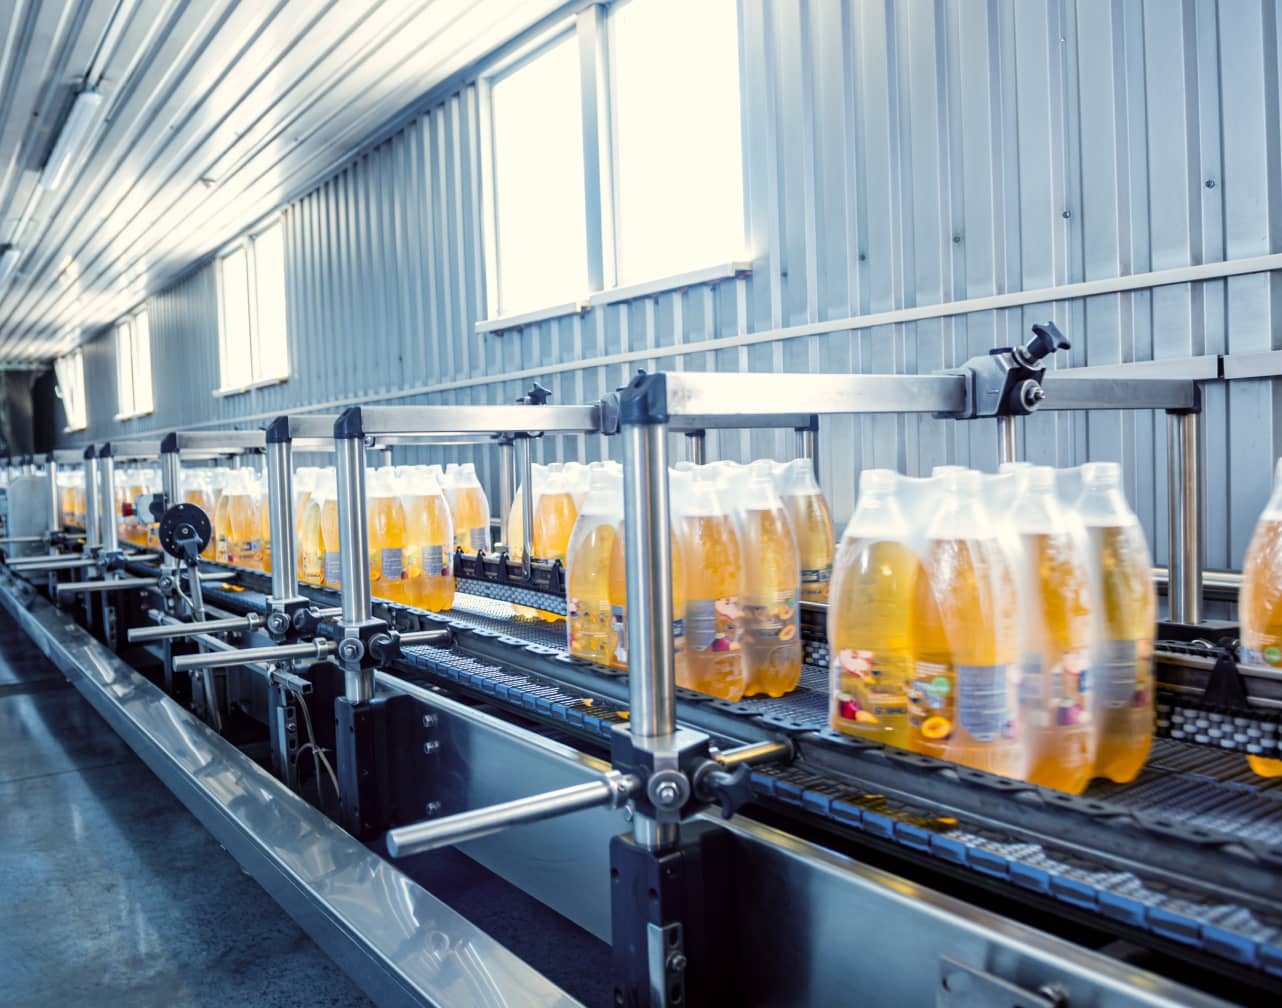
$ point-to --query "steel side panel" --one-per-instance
(396, 940)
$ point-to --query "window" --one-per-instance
(617, 157)
(253, 346)
(677, 155)
(540, 229)
(133, 367)
(69, 373)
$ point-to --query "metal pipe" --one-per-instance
(808, 447)
(93, 527)
(1184, 500)
(317, 649)
(55, 504)
(329, 612)
(1226, 580)
(612, 790)
(280, 505)
(142, 635)
(45, 563)
(527, 505)
(648, 550)
(417, 637)
(696, 447)
(205, 640)
(122, 584)
(507, 484)
(754, 752)
(16, 540)
(353, 534)
(1005, 439)
(171, 486)
(108, 513)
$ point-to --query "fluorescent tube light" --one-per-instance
(8, 261)
(84, 110)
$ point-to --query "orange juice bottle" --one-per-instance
(959, 700)
(429, 543)
(554, 516)
(870, 610)
(265, 526)
(333, 567)
(1260, 602)
(714, 589)
(812, 525)
(590, 627)
(469, 508)
(222, 520)
(1055, 634)
(771, 589)
(244, 548)
(311, 546)
(1123, 624)
(386, 523)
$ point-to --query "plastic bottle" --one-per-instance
(429, 543)
(590, 627)
(469, 508)
(714, 588)
(1123, 623)
(311, 544)
(812, 525)
(385, 518)
(304, 481)
(1260, 601)
(554, 516)
(1055, 637)
(264, 526)
(870, 609)
(222, 518)
(771, 589)
(516, 516)
(332, 567)
(243, 545)
(959, 701)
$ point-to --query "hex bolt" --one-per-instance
(431, 747)
(429, 720)
(433, 808)
(667, 793)
(676, 963)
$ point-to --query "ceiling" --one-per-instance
(216, 112)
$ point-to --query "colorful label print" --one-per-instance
(243, 550)
(1120, 673)
(1058, 696)
(713, 624)
(771, 618)
(866, 697)
(619, 628)
(1263, 650)
(678, 636)
(983, 707)
(476, 539)
(311, 567)
(815, 583)
(434, 561)
(333, 567)
(393, 561)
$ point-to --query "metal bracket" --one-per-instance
(962, 985)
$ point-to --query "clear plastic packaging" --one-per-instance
(591, 628)
(811, 524)
(554, 515)
(469, 508)
(429, 542)
(385, 518)
(1260, 601)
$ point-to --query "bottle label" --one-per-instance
(1119, 674)
(311, 568)
(434, 561)
(868, 692)
(983, 702)
(816, 575)
(619, 631)
(220, 548)
(393, 563)
(713, 624)
(770, 618)
(1058, 696)
(333, 567)
(678, 636)
(475, 539)
(1261, 649)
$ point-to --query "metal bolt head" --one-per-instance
(433, 808)
(431, 747)
(429, 720)
(676, 963)
(667, 793)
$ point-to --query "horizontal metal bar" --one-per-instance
(220, 442)
(122, 584)
(710, 399)
(415, 638)
(23, 539)
(135, 449)
(317, 649)
(505, 322)
(22, 564)
(382, 420)
(613, 789)
(1067, 391)
(1203, 367)
(1264, 364)
(753, 753)
(649, 288)
(142, 635)
(443, 439)
(1226, 580)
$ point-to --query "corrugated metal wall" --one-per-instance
(897, 154)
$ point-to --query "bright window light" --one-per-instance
(235, 370)
(271, 349)
(253, 343)
(537, 117)
(133, 367)
(69, 372)
(678, 158)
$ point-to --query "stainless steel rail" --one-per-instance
(123, 584)
(146, 634)
(317, 649)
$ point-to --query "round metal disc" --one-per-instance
(183, 521)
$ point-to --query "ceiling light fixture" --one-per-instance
(8, 262)
(84, 110)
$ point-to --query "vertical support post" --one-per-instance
(1184, 500)
(648, 549)
(107, 513)
(808, 445)
(527, 502)
(507, 489)
(93, 530)
(280, 516)
(384, 457)
(55, 504)
(353, 551)
(1005, 439)
(696, 447)
(171, 485)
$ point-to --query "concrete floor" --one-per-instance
(111, 893)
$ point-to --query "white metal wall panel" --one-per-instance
(897, 154)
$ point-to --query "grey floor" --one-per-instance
(111, 893)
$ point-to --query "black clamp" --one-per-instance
(667, 765)
(537, 396)
(385, 648)
(716, 785)
(111, 561)
(356, 643)
(289, 619)
(1007, 381)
